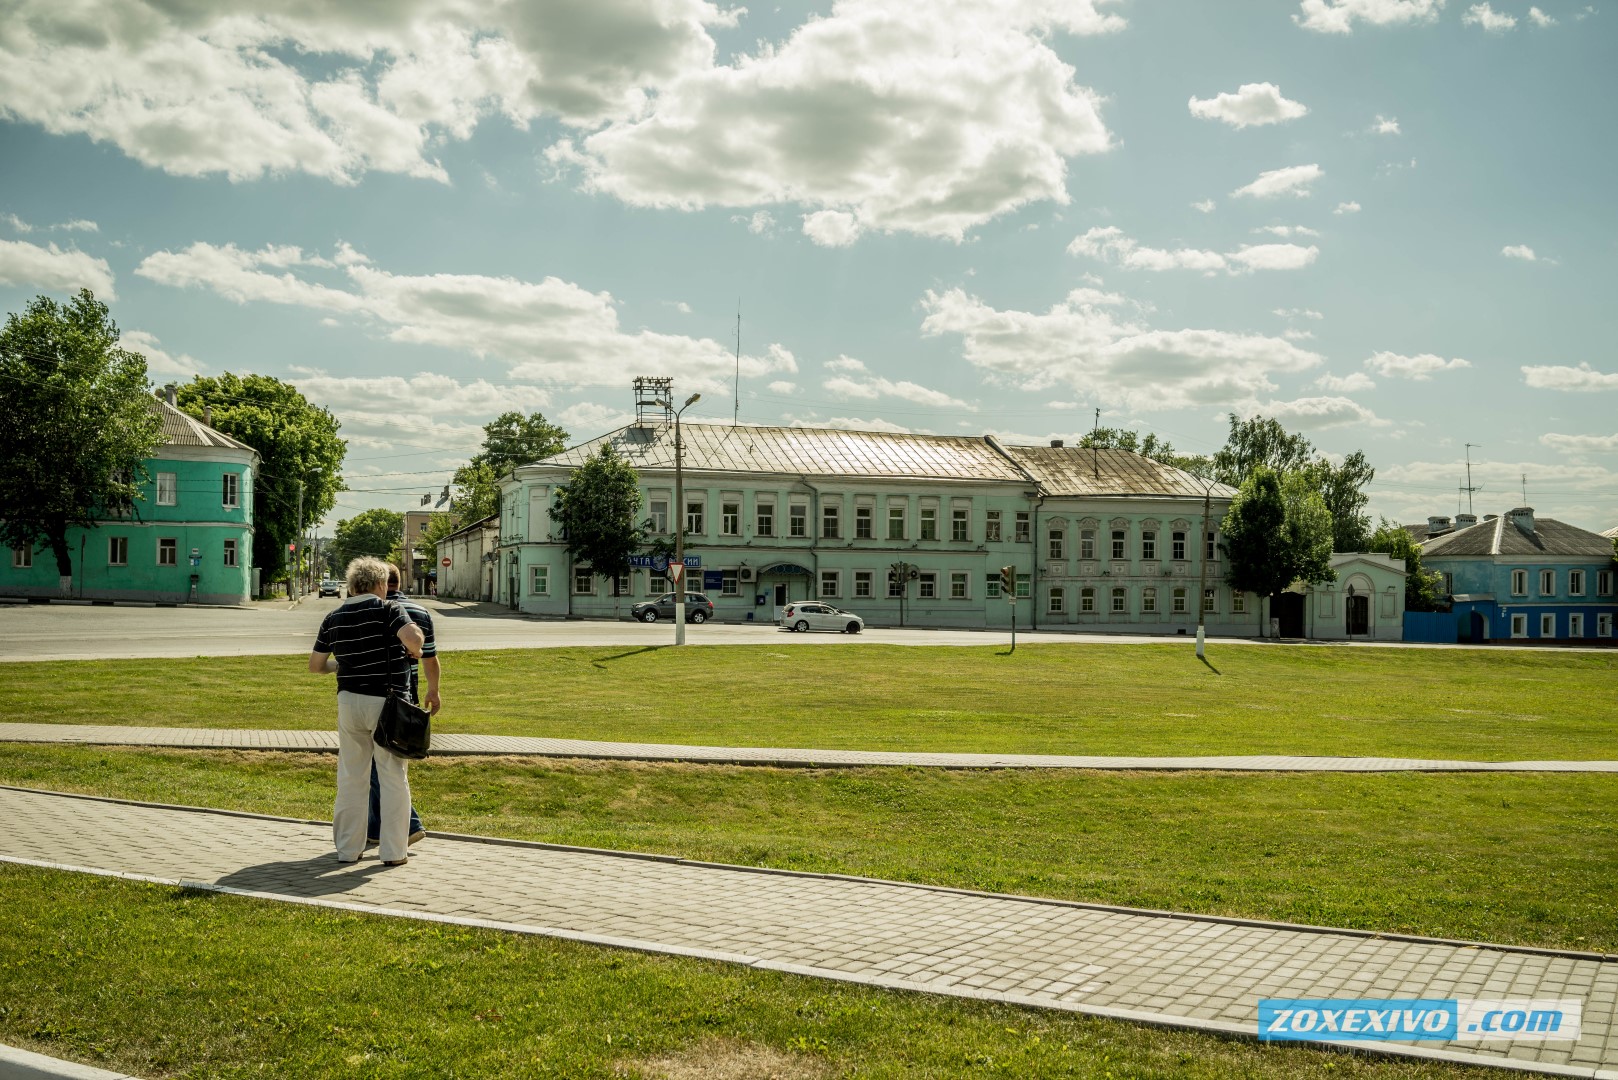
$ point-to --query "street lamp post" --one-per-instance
(1202, 573)
(679, 517)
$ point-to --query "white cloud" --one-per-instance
(872, 387)
(548, 330)
(1495, 22)
(1317, 412)
(1287, 230)
(1109, 243)
(846, 364)
(1519, 251)
(855, 423)
(1420, 367)
(1347, 208)
(928, 119)
(586, 417)
(1252, 105)
(783, 386)
(76, 225)
(159, 362)
(334, 90)
(1293, 180)
(1540, 19)
(831, 228)
(1293, 334)
(1339, 16)
(1353, 382)
(1581, 444)
(1385, 125)
(32, 266)
(17, 224)
(760, 222)
(1297, 313)
(1560, 377)
(1206, 206)
(1080, 344)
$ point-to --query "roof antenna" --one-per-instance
(1525, 489)
(1095, 453)
(1469, 489)
(737, 418)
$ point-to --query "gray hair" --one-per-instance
(365, 574)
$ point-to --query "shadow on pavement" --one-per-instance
(319, 876)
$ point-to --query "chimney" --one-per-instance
(1437, 525)
(1523, 518)
(207, 414)
(1056, 444)
(1465, 521)
(169, 392)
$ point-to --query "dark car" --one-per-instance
(331, 587)
(698, 608)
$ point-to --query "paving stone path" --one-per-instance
(494, 745)
(1158, 967)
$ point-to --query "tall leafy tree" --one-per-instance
(1255, 538)
(297, 444)
(378, 533)
(477, 492)
(1259, 441)
(1423, 588)
(512, 439)
(597, 508)
(1343, 489)
(77, 421)
(1308, 530)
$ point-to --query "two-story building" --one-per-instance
(1518, 576)
(902, 529)
(188, 539)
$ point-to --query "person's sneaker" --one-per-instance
(419, 834)
(395, 862)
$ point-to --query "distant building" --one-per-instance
(1366, 602)
(418, 569)
(1518, 576)
(471, 551)
(188, 540)
(1101, 540)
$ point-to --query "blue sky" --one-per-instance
(1386, 222)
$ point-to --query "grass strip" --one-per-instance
(1526, 859)
(164, 982)
(1055, 699)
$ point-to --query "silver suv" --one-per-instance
(698, 608)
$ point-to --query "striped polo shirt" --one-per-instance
(424, 619)
(363, 635)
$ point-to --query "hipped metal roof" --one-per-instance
(183, 429)
(1502, 536)
(881, 455)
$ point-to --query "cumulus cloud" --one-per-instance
(1351, 383)
(758, 223)
(76, 225)
(1540, 19)
(1495, 22)
(1082, 345)
(1287, 230)
(1421, 367)
(1206, 206)
(548, 330)
(1339, 16)
(856, 423)
(1252, 105)
(1297, 313)
(1314, 413)
(240, 89)
(1581, 444)
(160, 363)
(50, 267)
(1385, 125)
(1346, 208)
(1519, 251)
(831, 228)
(929, 120)
(1577, 492)
(1293, 180)
(1109, 243)
(1294, 334)
(783, 386)
(856, 382)
(1560, 377)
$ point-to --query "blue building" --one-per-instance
(1520, 577)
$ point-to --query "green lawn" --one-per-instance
(1072, 699)
(1527, 859)
(164, 982)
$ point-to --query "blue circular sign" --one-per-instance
(659, 563)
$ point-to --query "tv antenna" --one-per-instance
(1095, 453)
(1469, 489)
(737, 417)
(1525, 489)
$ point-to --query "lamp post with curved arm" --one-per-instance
(679, 516)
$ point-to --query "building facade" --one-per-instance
(189, 538)
(473, 563)
(905, 530)
(1522, 577)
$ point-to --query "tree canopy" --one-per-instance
(78, 420)
(512, 439)
(477, 492)
(1259, 441)
(1277, 531)
(376, 532)
(1343, 489)
(1308, 530)
(1149, 446)
(1262, 441)
(597, 509)
(1423, 588)
(297, 443)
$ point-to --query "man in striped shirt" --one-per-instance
(429, 663)
(368, 642)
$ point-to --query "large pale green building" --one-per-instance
(188, 540)
(1101, 539)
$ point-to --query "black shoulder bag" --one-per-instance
(404, 728)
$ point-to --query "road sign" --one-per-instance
(444, 562)
(676, 571)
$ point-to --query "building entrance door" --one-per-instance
(781, 597)
(1288, 611)
(1359, 614)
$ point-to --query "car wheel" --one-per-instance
(800, 627)
(648, 616)
(699, 616)
(853, 628)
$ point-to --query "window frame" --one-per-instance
(1056, 541)
(586, 576)
(927, 523)
(539, 580)
(1547, 576)
(1177, 542)
(831, 521)
(764, 518)
(1148, 600)
(1179, 600)
(22, 558)
(658, 518)
(172, 489)
(230, 495)
(231, 555)
(1519, 582)
(835, 579)
(730, 518)
(865, 579)
(1025, 586)
(798, 519)
(1210, 600)
(730, 582)
(1120, 545)
(1547, 618)
(1087, 544)
(1087, 600)
(1022, 527)
(960, 585)
(169, 545)
(864, 522)
(1056, 601)
(1575, 624)
(991, 526)
(700, 505)
(1575, 582)
(1118, 602)
(898, 520)
(1519, 625)
(960, 524)
(927, 585)
(1148, 545)
(117, 551)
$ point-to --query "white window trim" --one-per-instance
(927, 579)
(965, 577)
(836, 579)
(22, 558)
(1519, 626)
(1575, 577)
(173, 489)
(539, 581)
(1517, 590)
(174, 546)
(235, 485)
(1575, 624)
(1056, 604)
(868, 579)
(111, 540)
(231, 553)
(1547, 619)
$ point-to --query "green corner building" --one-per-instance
(188, 540)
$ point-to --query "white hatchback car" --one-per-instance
(817, 615)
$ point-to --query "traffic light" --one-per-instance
(1008, 582)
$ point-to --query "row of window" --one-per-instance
(168, 553)
(168, 489)
(1547, 583)
(1575, 625)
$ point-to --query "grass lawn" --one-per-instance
(1068, 699)
(164, 982)
(1517, 858)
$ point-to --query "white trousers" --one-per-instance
(356, 726)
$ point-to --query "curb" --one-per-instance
(19, 1064)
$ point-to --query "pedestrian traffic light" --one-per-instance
(1008, 582)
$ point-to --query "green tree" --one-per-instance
(512, 439)
(477, 491)
(1423, 587)
(78, 419)
(375, 532)
(1259, 441)
(596, 509)
(1149, 446)
(1255, 538)
(438, 527)
(1308, 530)
(297, 445)
(1343, 489)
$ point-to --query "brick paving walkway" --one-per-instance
(492, 745)
(1157, 967)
